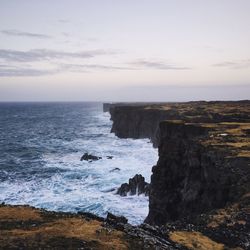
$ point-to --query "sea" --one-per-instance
(41, 145)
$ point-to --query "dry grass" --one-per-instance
(244, 153)
(195, 241)
(229, 216)
(162, 107)
(209, 125)
(74, 228)
(19, 213)
(221, 216)
(48, 228)
(238, 144)
(237, 128)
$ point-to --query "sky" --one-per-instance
(117, 50)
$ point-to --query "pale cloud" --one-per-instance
(159, 65)
(63, 20)
(239, 64)
(44, 54)
(87, 67)
(27, 70)
(25, 34)
(15, 62)
(14, 71)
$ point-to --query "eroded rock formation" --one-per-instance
(135, 186)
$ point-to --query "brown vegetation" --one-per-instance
(23, 226)
(195, 241)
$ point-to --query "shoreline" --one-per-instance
(204, 145)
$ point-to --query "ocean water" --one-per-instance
(40, 149)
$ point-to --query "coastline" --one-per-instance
(194, 211)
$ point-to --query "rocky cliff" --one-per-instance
(142, 120)
(197, 171)
(136, 122)
(202, 177)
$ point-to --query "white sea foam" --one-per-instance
(83, 186)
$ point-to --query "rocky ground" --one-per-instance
(25, 227)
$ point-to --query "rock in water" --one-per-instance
(136, 185)
(89, 157)
(109, 157)
(114, 170)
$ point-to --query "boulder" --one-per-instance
(136, 186)
(89, 157)
(114, 220)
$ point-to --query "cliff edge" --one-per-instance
(138, 120)
(200, 185)
(201, 167)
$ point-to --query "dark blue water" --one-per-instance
(40, 149)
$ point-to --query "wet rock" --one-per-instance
(109, 190)
(89, 157)
(114, 170)
(136, 185)
(117, 222)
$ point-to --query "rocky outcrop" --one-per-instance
(116, 221)
(136, 186)
(192, 175)
(89, 157)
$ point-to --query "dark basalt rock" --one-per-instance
(191, 178)
(201, 175)
(114, 170)
(135, 122)
(109, 190)
(89, 157)
(117, 222)
(141, 120)
(113, 219)
(136, 185)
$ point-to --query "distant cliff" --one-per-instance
(141, 120)
(107, 106)
(136, 122)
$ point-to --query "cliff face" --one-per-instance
(137, 122)
(191, 177)
(204, 154)
(140, 120)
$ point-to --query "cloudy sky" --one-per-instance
(117, 50)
